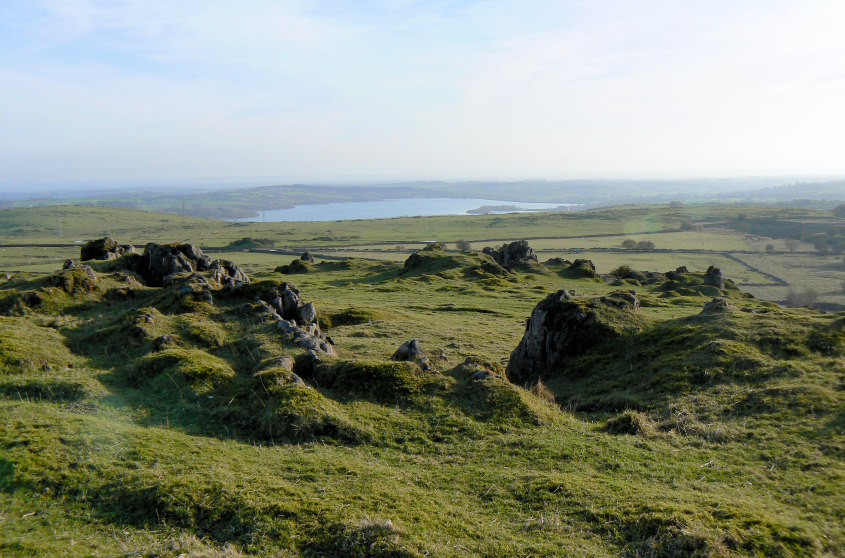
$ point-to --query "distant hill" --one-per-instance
(247, 202)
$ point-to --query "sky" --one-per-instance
(266, 92)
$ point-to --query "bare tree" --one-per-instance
(792, 244)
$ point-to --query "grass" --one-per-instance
(710, 434)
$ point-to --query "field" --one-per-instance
(680, 432)
(31, 240)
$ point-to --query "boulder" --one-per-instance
(675, 275)
(284, 362)
(513, 254)
(306, 314)
(412, 351)
(290, 301)
(713, 276)
(165, 341)
(718, 304)
(226, 273)
(104, 249)
(73, 264)
(561, 327)
(161, 261)
(307, 256)
(620, 299)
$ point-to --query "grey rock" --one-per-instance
(165, 341)
(101, 249)
(560, 328)
(290, 300)
(515, 253)
(718, 304)
(713, 276)
(226, 273)
(481, 374)
(412, 351)
(285, 362)
(307, 313)
(307, 256)
(285, 326)
(276, 303)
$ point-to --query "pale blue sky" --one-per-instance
(269, 92)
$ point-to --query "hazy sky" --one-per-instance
(280, 91)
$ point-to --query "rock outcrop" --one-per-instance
(160, 262)
(307, 256)
(718, 304)
(713, 276)
(104, 249)
(412, 351)
(562, 327)
(298, 320)
(513, 254)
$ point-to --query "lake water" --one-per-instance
(385, 209)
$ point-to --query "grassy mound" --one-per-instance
(201, 370)
(434, 259)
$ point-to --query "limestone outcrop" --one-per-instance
(562, 327)
(513, 254)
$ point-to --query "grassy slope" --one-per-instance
(712, 434)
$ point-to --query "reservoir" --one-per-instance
(408, 207)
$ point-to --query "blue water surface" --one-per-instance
(385, 209)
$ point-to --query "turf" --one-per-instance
(709, 433)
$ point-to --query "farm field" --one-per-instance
(766, 267)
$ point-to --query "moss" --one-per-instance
(385, 382)
(203, 332)
(25, 347)
(200, 369)
(351, 316)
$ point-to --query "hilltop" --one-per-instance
(162, 402)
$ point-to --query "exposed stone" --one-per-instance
(622, 299)
(161, 261)
(285, 326)
(285, 362)
(307, 256)
(306, 313)
(104, 249)
(412, 351)
(290, 300)
(482, 373)
(165, 341)
(718, 304)
(713, 276)
(515, 253)
(100, 249)
(227, 273)
(561, 328)
(675, 275)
